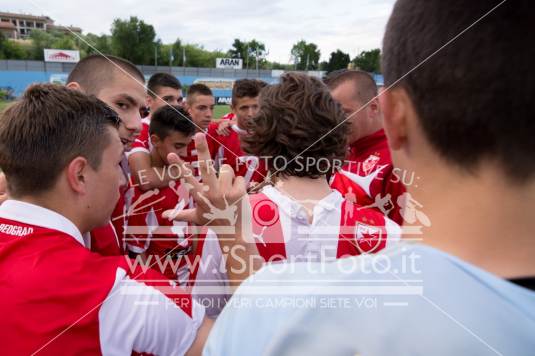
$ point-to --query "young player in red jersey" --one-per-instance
(245, 96)
(200, 104)
(170, 130)
(162, 89)
(120, 84)
(55, 294)
(368, 169)
(181, 252)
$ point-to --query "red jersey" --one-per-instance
(369, 176)
(58, 297)
(142, 142)
(174, 248)
(230, 152)
(229, 116)
(339, 228)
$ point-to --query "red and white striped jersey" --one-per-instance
(339, 228)
(229, 116)
(230, 152)
(191, 257)
(142, 142)
(368, 176)
(57, 296)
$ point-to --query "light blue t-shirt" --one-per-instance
(406, 300)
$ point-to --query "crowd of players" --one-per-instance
(128, 235)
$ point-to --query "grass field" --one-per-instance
(3, 104)
(221, 110)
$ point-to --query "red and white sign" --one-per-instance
(62, 55)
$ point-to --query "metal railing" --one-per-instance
(51, 67)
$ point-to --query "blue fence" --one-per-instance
(18, 75)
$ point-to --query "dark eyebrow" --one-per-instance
(128, 98)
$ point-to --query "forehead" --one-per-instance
(246, 101)
(168, 91)
(122, 84)
(203, 100)
(346, 93)
(177, 137)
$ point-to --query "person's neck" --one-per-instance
(156, 160)
(305, 190)
(368, 130)
(60, 206)
(484, 220)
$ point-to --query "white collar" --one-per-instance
(32, 214)
(238, 130)
(293, 207)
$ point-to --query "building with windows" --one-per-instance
(19, 26)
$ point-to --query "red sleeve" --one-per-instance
(213, 139)
(137, 233)
(105, 241)
(141, 143)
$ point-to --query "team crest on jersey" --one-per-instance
(265, 213)
(369, 164)
(369, 237)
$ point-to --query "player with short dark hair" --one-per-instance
(60, 151)
(121, 85)
(368, 171)
(189, 256)
(245, 97)
(163, 87)
(118, 83)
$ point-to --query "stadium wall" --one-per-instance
(16, 75)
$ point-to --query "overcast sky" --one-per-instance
(279, 24)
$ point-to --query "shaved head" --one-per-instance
(364, 85)
(96, 71)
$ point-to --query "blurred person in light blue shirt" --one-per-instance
(458, 113)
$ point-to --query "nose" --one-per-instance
(132, 122)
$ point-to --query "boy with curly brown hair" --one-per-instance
(300, 134)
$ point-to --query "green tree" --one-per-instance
(40, 40)
(369, 61)
(94, 44)
(251, 52)
(11, 49)
(198, 56)
(134, 40)
(281, 66)
(306, 56)
(338, 60)
(54, 39)
(176, 52)
(238, 49)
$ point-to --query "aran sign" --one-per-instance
(229, 63)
